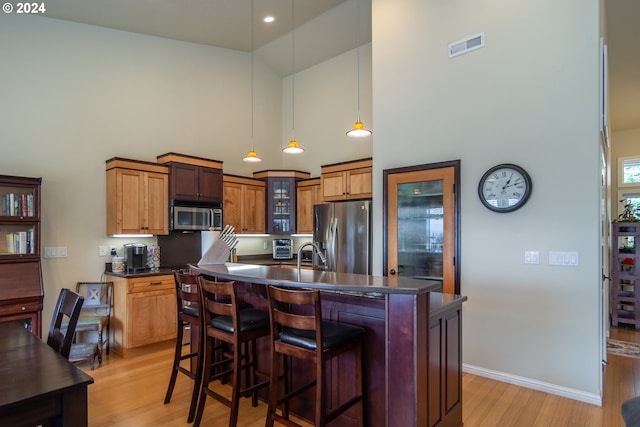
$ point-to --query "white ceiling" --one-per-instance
(323, 30)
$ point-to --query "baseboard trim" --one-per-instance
(534, 384)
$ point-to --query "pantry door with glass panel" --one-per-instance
(422, 223)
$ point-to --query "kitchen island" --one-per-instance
(412, 350)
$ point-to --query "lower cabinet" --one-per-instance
(144, 311)
(445, 361)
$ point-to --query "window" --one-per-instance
(628, 182)
(629, 171)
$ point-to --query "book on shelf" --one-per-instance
(20, 242)
(17, 204)
(10, 243)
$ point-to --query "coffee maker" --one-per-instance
(135, 257)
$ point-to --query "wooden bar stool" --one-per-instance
(297, 330)
(187, 299)
(226, 322)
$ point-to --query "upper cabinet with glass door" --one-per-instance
(281, 199)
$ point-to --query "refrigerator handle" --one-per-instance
(329, 247)
(334, 244)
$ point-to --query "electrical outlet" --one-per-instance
(102, 250)
(264, 245)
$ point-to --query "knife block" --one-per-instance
(218, 253)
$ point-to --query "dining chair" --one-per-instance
(67, 308)
(95, 316)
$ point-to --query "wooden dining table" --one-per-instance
(37, 383)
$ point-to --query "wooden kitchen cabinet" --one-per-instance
(21, 290)
(309, 194)
(281, 199)
(244, 204)
(347, 181)
(137, 197)
(193, 178)
(445, 360)
(144, 311)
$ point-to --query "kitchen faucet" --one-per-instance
(318, 251)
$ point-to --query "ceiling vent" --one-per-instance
(467, 45)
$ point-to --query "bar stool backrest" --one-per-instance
(299, 309)
(219, 299)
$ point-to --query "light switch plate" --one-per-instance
(565, 259)
(531, 257)
(55, 252)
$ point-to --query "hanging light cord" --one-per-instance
(293, 110)
(251, 43)
(358, 52)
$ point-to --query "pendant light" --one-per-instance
(252, 156)
(358, 130)
(292, 147)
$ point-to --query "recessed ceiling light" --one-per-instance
(268, 19)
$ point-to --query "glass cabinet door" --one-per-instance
(280, 205)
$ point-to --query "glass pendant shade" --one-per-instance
(293, 148)
(252, 157)
(358, 130)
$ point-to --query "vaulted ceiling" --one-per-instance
(324, 29)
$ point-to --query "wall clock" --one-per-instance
(504, 188)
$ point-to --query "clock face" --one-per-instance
(504, 188)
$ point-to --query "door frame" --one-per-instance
(455, 164)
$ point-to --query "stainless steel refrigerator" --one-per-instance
(343, 232)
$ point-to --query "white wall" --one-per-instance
(76, 95)
(326, 107)
(529, 97)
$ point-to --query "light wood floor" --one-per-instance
(130, 392)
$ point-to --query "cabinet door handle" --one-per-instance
(23, 308)
(392, 272)
(155, 283)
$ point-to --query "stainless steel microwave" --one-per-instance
(195, 218)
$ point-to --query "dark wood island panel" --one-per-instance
(412, 350)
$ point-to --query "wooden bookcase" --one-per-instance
(625, 275)
(21, 291)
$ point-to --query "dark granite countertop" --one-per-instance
(324, 280)
(151, 272)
